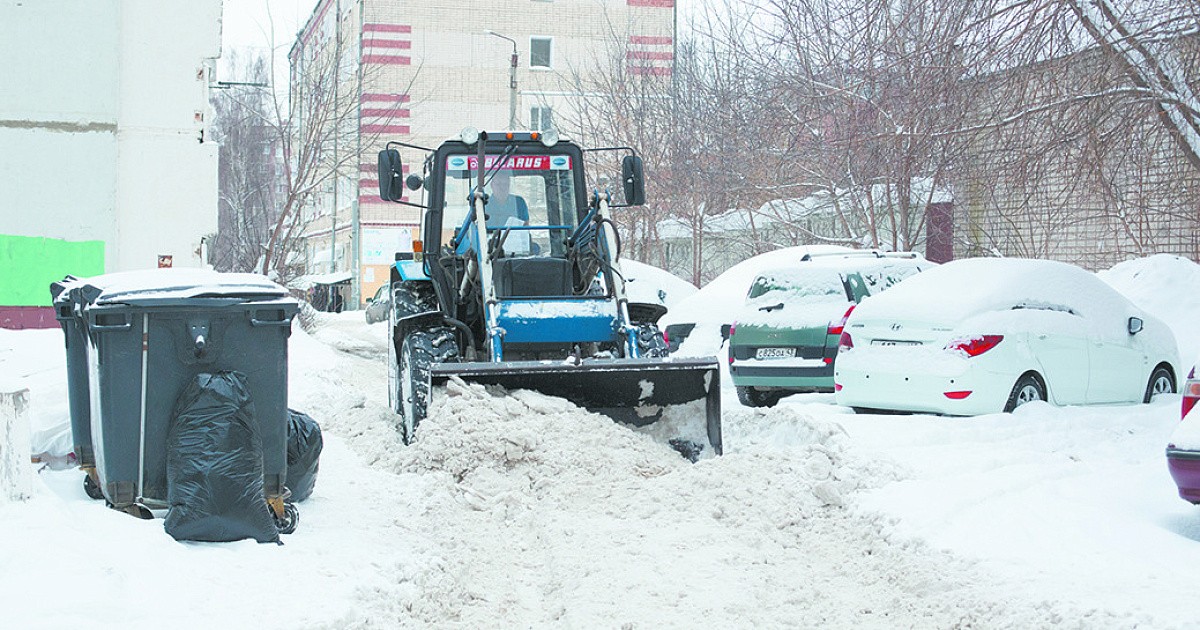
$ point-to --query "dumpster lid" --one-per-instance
(174, 283)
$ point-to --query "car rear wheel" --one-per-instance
(1161, 382)
(758, 398)
(1028, 389)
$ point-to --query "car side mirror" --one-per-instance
(1135, 325)
(631, 179)
(390, 180)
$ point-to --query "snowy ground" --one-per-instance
(526, 512)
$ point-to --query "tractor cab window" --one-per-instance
(531, 200)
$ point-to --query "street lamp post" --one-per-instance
(512, 81)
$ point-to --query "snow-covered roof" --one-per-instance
(820, 203)
(337, 277)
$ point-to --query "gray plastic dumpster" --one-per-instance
(68, 309)
(149, 334)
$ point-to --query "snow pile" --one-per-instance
(36, 360)
(546, 515)
(1167, 287)
(524, 511)
(346, 395)
(1187, 435)
(1074, 501)
(347, 331)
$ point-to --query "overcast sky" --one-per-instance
(246, 27)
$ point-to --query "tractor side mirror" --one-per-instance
(1135, 325)
(390, 169)
(631, 179)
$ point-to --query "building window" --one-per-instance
(540, 52)
(540, 119)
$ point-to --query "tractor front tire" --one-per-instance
(418, 352)
(412, 396)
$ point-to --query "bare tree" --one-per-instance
(310, 131)
(1145, 43)
(248, 168)
(697, 133)
(1062, 128)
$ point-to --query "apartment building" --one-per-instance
(421, 71)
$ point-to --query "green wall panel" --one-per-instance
(28, 264)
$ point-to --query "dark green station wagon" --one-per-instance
(785, 338)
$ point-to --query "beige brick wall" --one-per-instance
(1092, 185)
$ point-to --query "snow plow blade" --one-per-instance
(631, 391)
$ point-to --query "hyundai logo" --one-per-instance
(896, 327)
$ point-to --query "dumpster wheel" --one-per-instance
(90, 486)
(290, 519)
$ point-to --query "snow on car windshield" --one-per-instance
(794, 298)
(796, 285)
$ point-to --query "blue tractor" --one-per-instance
(517, 282)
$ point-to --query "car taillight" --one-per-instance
(732, 328)
(958, 395)
(975, 346)
(1191, 393)
(837, 330)
(845, 342)
(666, 338)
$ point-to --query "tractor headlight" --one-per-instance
(549, 138)
(469, 135)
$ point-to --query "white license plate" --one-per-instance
(775, 353)
(891, 342)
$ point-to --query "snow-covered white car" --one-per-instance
(1183, 451)
(986, 335)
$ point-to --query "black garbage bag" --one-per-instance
(215, 464)
(304, 446)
